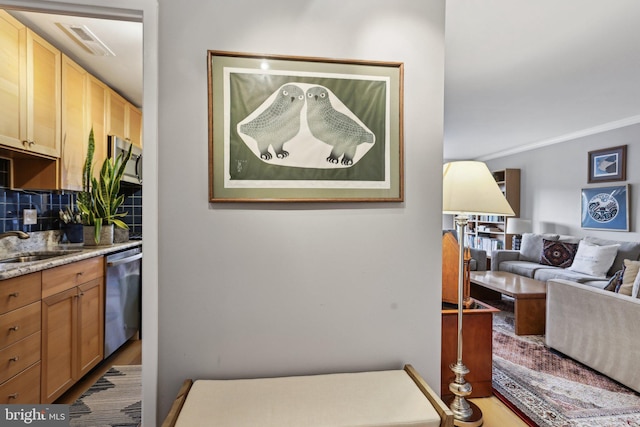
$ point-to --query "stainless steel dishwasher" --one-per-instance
(122, 312)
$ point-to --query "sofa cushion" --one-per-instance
(523, 268)
(629, 275)
(548, 273)
(531, 245)
(627, 250)
(594, 260)
(558, 254)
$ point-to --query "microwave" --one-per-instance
(133, 170)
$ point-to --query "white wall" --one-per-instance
(279, 289)
(552, 177)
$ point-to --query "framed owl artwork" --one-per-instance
(303, 129)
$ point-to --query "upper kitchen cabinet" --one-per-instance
(98, 106)
(74, 124)
(13, 45)
(134, 125)
(85, 104)
(30, 70)
(125, 119)
(43, 96)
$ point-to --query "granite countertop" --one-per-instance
(71, 252)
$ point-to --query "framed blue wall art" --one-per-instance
(606, 208)
(608, 164)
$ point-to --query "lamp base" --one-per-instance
(516, 241)
(474, 420)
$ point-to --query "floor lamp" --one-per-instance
(468, 189)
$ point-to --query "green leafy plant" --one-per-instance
(99, 201)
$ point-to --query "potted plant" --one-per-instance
(99, 201)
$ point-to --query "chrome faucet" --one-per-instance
(18, 234)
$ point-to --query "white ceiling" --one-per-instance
(122, 72)
(526, 73)
(519, 74)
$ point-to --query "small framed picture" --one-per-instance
(608, 164)
(606, 208)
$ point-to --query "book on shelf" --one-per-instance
(487, 244)
(490, 218)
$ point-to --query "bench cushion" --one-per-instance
(367, 399)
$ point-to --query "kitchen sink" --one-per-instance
(36, 256)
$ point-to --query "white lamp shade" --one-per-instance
(468, 187)
(518, 226)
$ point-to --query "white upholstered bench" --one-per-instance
(365, 399)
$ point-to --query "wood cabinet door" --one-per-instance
(98, 106)
(90, 325)
(59, 343)
(134, 117)
(43, 96)
(117, 113)
(74, 132)
(13, 78)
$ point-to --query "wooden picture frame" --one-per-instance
(608, 164)
(303, 129)
(605, 208)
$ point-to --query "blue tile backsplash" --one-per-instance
(49, 203)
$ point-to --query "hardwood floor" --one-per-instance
(129, 354)
(496, 414)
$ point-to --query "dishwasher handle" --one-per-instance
(124, 260)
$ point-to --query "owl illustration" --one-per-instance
(333, 127)
(278, 123)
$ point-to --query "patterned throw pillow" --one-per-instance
(558, 254)
(615, 281)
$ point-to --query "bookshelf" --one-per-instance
(488, 231)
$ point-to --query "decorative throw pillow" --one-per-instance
(635, 291)
(614, 282)
(594, 260)
(531, 246)
(631, 269)
(558, 254)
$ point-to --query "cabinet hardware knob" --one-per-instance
(14, 328)
(14, 294)
(14, 395)
(14, 359)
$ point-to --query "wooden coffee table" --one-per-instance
(530, 297)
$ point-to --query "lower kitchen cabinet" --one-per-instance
(20, 340)
(51, 330)
(72, 325)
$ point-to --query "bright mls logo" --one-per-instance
(37, 415)
(603, 208)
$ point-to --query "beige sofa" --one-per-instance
(595, 327)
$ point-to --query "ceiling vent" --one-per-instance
(86, 39)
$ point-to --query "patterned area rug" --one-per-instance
(114, 400)
(551, 389)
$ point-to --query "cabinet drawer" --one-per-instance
(19, 291)
(19, 356)
(19, 324)
(23, 388)
(65, 277)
